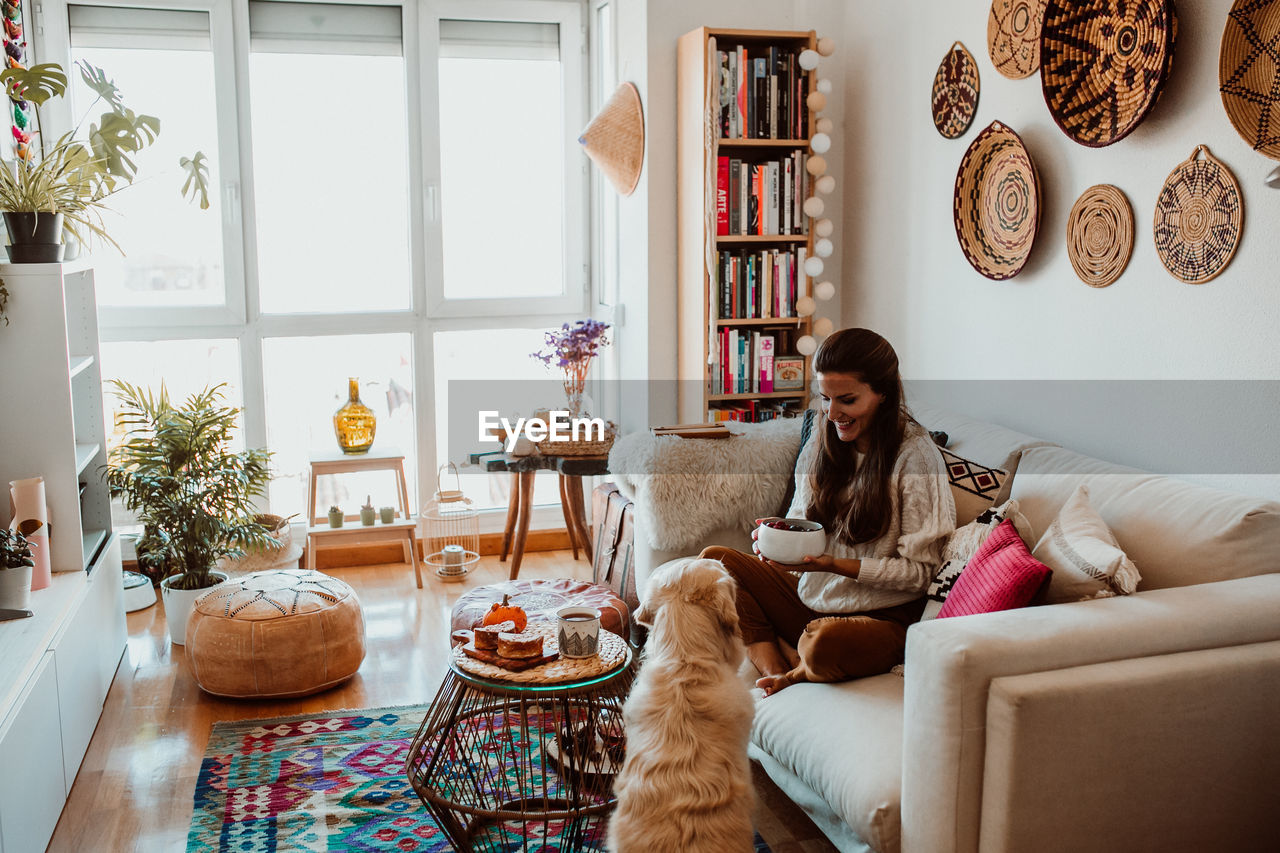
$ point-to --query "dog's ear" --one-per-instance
(644, 614)
(725, 604)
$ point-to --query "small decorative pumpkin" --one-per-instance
(501, 612)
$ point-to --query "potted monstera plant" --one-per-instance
(63, 187)
(195, 496)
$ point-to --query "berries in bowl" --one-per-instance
(790, 540)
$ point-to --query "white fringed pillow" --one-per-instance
(1086, 559)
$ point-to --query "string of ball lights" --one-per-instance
(815, 207)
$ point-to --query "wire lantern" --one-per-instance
(452, 530)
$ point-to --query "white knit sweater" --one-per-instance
(897, 567)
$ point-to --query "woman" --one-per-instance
(875, 480)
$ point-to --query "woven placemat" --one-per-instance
(1103, 64)
(1199, 217)
(1013, 36)
(1100, 235)
(612, 653)
(997, 203)
(955, 92)
(1249, 73)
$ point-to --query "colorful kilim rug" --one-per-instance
(327, 782)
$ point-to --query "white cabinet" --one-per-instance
(57, 666)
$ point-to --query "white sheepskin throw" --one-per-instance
(685, 488)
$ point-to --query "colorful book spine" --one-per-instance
(722, 196)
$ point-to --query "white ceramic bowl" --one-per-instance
(791, 546)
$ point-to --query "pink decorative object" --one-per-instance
(1002, 575)
(31, 516)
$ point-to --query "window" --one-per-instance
(413, 200)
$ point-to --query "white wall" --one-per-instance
(907, 277)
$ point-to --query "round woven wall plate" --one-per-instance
(1100, 235)
(1249, 73)
(1013, 36)
(955, 92)
(997, 203)
(1199, 216)
(1103, 63)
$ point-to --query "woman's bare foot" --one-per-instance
(771, 684)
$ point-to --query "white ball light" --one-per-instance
(826, 46)
(816, 101)
(824, 290)
(813, 207)
(816, 166)
(824, 86)
(825, 184)
(821, 143)
(823, 227)
(824, 125)
(806, 345)
(806, 306)
(809, 59)
(823, 327)
(813, 267)
(823, 248)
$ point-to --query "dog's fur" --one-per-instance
(686, 783)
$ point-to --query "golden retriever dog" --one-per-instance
(685, 785)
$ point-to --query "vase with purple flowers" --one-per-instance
(571, 349)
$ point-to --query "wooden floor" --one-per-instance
(134, 790)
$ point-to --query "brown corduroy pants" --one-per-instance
(832, 647)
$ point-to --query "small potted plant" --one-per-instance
(388, 514)
(15, 570)
(195, 497)
(335, 516)
(368, 515)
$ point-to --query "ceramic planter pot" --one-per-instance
(368, 516)
(15, 588)
(335, 519)
(34, 238)
(388, 514)
(178, 603)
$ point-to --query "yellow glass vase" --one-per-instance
(355, 423)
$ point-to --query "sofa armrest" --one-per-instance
(950, 664)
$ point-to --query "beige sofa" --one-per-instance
(1144, 722)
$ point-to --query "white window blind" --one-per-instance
(324, 28)
(499, 40)
(144, 29)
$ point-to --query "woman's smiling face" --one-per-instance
(850, 404)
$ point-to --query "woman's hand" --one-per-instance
(820, 563)
(755, 547)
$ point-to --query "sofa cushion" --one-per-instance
(961, 547)
(1001, 576)
(1177, 533)
(1087, 561)
(973, 486)
(854, 760)
(985, 443)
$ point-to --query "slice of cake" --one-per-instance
(486, 636)
(526, 645)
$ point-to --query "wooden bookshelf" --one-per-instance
(699, 144)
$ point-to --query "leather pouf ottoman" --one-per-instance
(275, 634)
(541, 599)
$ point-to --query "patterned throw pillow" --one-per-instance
(963, 544)
(1001, 576)
(1086, 559)
(974, 487)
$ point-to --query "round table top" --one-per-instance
(568, 685)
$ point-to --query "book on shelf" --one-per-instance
(788, 373)
(758, 285)
(722, 196)
(763, 198)
(762, 93)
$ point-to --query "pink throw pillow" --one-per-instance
(1002, 575)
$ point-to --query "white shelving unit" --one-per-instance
(56, 667)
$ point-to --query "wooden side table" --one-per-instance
(402, 529)
(571, 470)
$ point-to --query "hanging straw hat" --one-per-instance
(615, 139)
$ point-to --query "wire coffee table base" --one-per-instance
(505, 766)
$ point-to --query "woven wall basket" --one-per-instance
(1103, 64)
(1249, 73)
(1199, 216)
(1013, 36)
(955, 92)
(1100, 235)
(997, 203)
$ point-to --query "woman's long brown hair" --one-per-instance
(850, 500)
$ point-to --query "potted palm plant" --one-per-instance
(15, 570)
(63, 186)
(194, 496)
